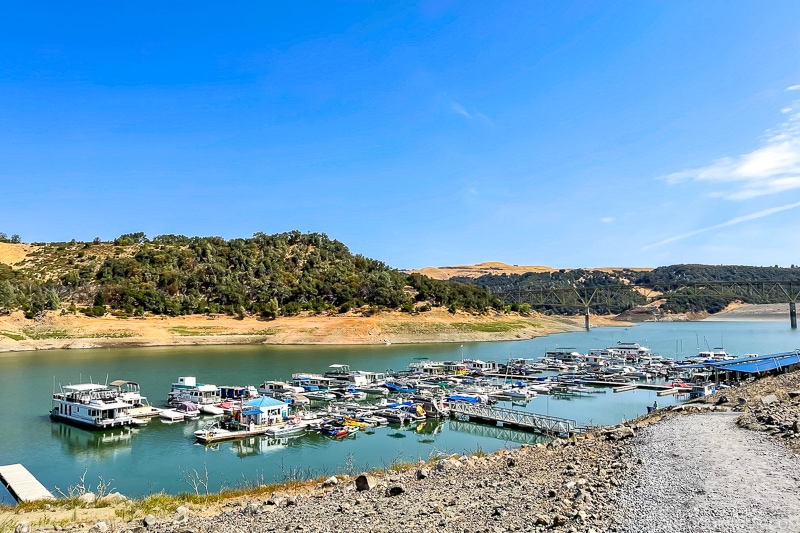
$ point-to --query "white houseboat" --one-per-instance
(188, 390)
(632, 352)
(129, 392)
(90, 405)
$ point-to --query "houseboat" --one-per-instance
(129, 392)
(565, 355)
(632, 352)
(188, 390)
(279, 389)
(90, 405)
(476, 367)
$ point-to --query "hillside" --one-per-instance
(174, 275)
(496, 268)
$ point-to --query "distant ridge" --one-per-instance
(498, 268)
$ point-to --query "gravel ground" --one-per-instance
(703, 473)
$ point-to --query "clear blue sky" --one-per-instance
(568, 134)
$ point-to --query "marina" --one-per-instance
(161, 450)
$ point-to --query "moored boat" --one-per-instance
(90, 405)
(186, 389)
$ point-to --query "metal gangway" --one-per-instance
(479, 412)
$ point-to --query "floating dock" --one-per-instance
(22, 485)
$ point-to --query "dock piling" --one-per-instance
(793, 315)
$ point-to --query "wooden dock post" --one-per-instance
(793, 315)
(586, 317)
(22, 485)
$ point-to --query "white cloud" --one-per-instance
(458, 108)
(786, 110)
(770, 169)
(793, 88)
(607, 220)
(731, 222)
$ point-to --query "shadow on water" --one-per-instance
(500, 433)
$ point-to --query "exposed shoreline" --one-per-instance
(68, 331)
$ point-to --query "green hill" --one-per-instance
(269, 275)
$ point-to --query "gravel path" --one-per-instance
(703, 473)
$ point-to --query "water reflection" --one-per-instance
(84, 444)
(258, 445)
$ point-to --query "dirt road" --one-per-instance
(703, 473)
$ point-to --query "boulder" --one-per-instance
(149, 521)
(769, 399)
(22, 527)
(330, 482)
(99, 527)
(395, 490)
(365, 482)
(88, 498)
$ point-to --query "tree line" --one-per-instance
(266, 275)
(679, 301)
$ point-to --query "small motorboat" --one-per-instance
(171, 415)
(211, 409)
(211, 432)
(188, 410)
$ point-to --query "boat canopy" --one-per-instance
(121, 382)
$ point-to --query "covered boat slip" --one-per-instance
(748, 366)
(22, 485)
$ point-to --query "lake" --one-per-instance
(162, 457)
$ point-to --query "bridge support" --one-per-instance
(586, 319)
(793, 315)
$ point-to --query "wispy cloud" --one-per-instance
(458, 108)
(607, 220)
(793, 88)
(731, 222)
(772, 168)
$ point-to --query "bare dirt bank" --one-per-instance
(56, 331)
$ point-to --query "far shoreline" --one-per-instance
(67, 331)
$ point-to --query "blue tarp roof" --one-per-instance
(760, 364)
(265, 401)
(752, 365)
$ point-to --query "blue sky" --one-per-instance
(568, 134)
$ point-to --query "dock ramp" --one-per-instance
(22, 485)
(549, 425)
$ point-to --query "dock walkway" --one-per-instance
(550, 425)
(22, 485)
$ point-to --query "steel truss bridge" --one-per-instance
(603, 295)
(499, 416)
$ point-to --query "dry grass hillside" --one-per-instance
(498, 268)
(12, 254)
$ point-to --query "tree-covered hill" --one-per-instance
(269, 275)
(680, 300)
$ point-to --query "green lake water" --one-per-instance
(161, 457)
